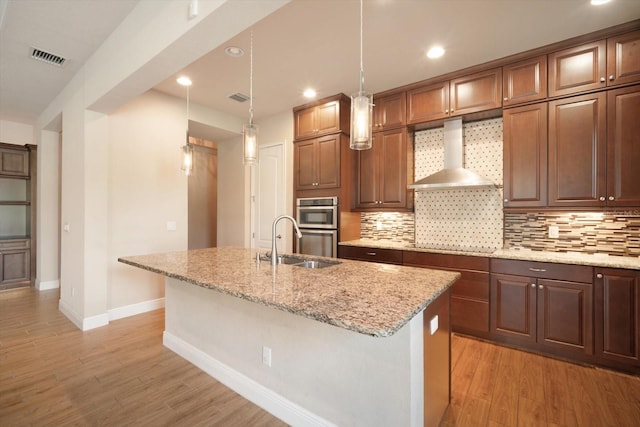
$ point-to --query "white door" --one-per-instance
(269, 198)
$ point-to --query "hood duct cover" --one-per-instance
(453, 175)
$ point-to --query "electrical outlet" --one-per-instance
(378, 225)
(554, 232)
(266, 356)
(73, 292)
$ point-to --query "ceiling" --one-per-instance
(306, 43)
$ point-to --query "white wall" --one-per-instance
(16, 133)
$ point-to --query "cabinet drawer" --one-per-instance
(469, 315)
(389, 256)
(462, 262)
(543, 270)
(14, 244)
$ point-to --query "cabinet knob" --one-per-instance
(446, 111)
(533, 285)
(371, 253)
(611, 78)
(602, 198)
(599, 276)
(540, 286)
(611, 198)
(452, 110)
(505, 99)
(506, 200)
(602, 80)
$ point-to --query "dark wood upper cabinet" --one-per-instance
(617, 317)
(477, 92)
(577, 151)
(329, 115)
(382, 172)
(428, 103)
(623, 147)
(389, 111)
(317, 163)
(623, 59)
(469, 94)
(524, 81)
(525, 156)
(578, 69)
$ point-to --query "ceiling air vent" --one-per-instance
(47, 57)
(240, 97)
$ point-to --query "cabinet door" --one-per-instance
(578, 69)
(392, 166)
(305, 164)
(328, 118)
(14, 162)
(623, 59)
(367, 176)
(617, 316)
(623, 147)
(389, 111)
(577, 151)
(328, 166)
(305, 123)
(428, 103)
(565, 316)
(15, 268)
(525, 156)
(513, 308)
(524, 81)
(476, 92)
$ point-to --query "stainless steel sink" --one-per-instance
(301, 261)
(317, 263)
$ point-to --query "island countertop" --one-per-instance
(368, 298)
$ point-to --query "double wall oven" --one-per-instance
(318, 222)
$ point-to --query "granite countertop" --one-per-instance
(368, 298)
(595, 260)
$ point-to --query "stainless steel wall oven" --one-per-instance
(318, 222)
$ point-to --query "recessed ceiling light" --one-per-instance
(184, 81)
(599, 2)
(234, 51)
(309, 93)
(435, 52)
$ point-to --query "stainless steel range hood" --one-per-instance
(454, 175)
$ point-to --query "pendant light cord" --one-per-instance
(361, 62)
(251, 80)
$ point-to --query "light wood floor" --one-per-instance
(118, 375)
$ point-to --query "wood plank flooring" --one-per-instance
(120, 375)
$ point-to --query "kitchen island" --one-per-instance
(350, 344)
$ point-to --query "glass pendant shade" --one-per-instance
(250, 143)
(361, 121)
(187, 159)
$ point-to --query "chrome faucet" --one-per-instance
(274, 249)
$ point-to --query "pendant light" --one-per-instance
(250, 131)
(361, 110)
(187, 150)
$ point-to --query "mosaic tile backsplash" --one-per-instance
(612, 233)
(392, 226)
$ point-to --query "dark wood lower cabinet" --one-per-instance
(543, 314)
(617, 318)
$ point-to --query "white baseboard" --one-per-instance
(133, 309)
(46, 285)
(70, 313)
(251, 390)
(95, 321)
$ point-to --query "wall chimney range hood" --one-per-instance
(453, 175)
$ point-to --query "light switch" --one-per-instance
(554, 232)
(433, 325)
(66, 227)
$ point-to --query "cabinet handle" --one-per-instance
(533, 285)
(540, 270)
(602, 198)
(599, 276)
(611, 78)
(611, 198)
(602, 80)
(371, 253)
(505, 99)
(540, 286)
